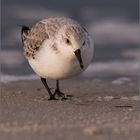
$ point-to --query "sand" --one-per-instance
(96, 109)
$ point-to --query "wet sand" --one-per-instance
(96, 109)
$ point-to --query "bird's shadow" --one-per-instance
(69, 96)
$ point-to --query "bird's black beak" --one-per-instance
(78, 55)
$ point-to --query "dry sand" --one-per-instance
(99, 110)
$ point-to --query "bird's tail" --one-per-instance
(24, 32)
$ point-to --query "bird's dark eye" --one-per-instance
(67, 41)
(84, 43)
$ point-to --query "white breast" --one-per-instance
(52, 65)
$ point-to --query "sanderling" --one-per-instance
(57, 48)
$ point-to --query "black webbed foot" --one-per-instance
(59, 93)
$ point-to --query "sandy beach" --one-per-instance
(96, 109)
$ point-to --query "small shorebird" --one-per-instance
(57, 48)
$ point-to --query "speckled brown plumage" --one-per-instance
(33, 39)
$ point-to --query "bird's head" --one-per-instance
(72, 40)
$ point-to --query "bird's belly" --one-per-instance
(51, 65)
(55, 67)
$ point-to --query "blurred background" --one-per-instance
(113, 26)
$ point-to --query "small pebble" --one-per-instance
(19, 92)
(108, 98)
(89, 131)
(38, 89)
(99, 99)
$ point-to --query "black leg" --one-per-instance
(58, 92)
(52, 96)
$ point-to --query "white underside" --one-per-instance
(52, 65)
